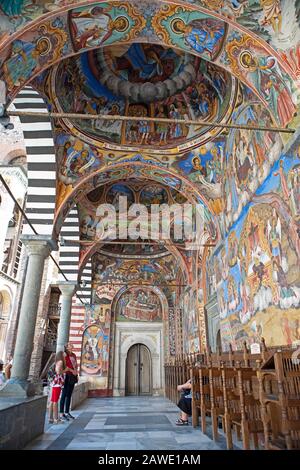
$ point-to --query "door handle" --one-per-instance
(135, 364)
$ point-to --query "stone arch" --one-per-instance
(85, 260)
(135, 169)
(12, 157)
(119, 376)
(5, 302)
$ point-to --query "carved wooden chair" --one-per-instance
(216, 399)
(279, 383)
(196, 403)
(205, 402)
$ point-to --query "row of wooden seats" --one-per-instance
(229, 394)
(226, 393)
(251, 393)
(177, 369)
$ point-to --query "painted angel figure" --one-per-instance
(92, 28)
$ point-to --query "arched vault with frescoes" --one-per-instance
(165, 102)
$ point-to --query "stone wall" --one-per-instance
(21, 421)
(80, 393)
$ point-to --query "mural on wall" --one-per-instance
(95, 350)
(134, 191)
(92, 26)
(142, 80)
(274, 21)
(257, 269)
(193, 30)
(139, 304)
(190, 325)
(249, 157)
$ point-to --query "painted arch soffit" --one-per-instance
(171, 251)
(271, 21)
(41, 41)
(69, 196)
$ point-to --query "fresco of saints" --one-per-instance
(289, 296)
(293, 183)
(203, 36)
(23, 61)
(93, 27)
(233, 295)
(274, 237)
(283, 182)
(222, 304)
(274, 87)
(230, 186)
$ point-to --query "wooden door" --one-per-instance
(138, 371)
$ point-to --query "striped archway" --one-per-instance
(37, 131)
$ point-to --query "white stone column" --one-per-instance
(38, 248)
(67, 290)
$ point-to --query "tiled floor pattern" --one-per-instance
(142, 423)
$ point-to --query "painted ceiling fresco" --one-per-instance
(143, 80)
(188, 28)
(116, 271)
(137, 192)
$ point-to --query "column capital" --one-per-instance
(39, 244)
(67, 288)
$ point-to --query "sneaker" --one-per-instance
(70, 416)
(64, 417)
(51, 421)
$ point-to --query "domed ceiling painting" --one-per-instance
(144, 80)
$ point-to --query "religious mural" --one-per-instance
(184, 27)
(271, 20)
(249, 157)
(163, 60)
(190, 325)
(256, 271)
(139, 304)
(95, 350)
(141, 80)
(204, 168)
(125, 271)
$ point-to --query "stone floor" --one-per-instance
(142, 423)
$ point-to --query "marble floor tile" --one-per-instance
(125, 423)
